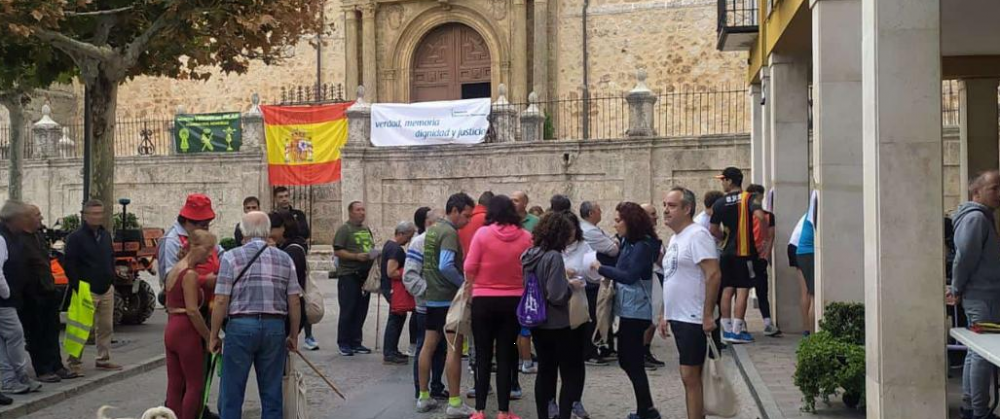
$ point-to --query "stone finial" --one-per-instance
(533, 97)
(46, 119)
(254, 105)
(65, 140)
(361, 94)
(501, 95)
(640, 85)
(180, 110)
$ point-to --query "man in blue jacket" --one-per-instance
(976, 283)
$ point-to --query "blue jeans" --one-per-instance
(257, 342)
(437, 364)
(977, 372)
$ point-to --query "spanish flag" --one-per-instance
(304, 142)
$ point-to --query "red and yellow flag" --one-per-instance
(304, 142)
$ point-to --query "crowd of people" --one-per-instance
(248, 300)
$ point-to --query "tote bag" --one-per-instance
(605, 312)
(293, 386)
(531, 311)
(719, 396)
(579, 310)
(459, 317)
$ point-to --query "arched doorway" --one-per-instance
(451, 62)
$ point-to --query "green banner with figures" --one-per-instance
(208, 133)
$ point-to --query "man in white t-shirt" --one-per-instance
(690, 291)
(704, 218)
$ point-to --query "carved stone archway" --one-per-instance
(405, 46)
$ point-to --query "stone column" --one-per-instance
(352, 178)
(540, 58)
(504, 117)
(756, 136)
(904, 274)
(640, 108)
(767, 140)
(790, 176)
(46, 134)
(370, 60)
(351, 50)
(978, 130)
(837, 133)
(532, 121)
(359, 119)
(253, 128)
(519, 53)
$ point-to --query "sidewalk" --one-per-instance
(768, 367)
(138, 349)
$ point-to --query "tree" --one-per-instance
(26, 65)
(114, 40)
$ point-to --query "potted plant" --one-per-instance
(832, 361)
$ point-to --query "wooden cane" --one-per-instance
(320, 374)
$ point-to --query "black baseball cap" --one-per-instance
(731, 173)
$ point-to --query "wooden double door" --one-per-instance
(451, 62)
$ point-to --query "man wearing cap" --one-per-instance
(732, 225)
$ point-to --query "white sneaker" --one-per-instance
(461, 412)
(533, 369)
(424, 406)
(771, 330)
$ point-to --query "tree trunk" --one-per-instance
(18, 137)
(103, 93)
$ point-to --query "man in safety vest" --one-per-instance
(90, 266)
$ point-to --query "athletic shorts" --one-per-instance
(436, 318)
(807, 263)
(692, 343)
(792, 259)
(736, 272)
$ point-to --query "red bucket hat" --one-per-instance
(198, 208)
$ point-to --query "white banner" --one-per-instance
(425, 123)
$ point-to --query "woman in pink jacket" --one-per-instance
(493, 270)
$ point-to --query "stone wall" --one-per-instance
(673, 39)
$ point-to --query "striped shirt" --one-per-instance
(735, 214)
(265, 287)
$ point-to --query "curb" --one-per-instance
(50, 399)
(761, 394)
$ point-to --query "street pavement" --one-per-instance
(373, 390)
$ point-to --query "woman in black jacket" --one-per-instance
(559, 355)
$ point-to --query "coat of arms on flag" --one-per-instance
(304, 143)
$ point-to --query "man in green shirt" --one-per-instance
(528, 221)
(354, 247)
(443, 260)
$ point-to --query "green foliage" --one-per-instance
(832, 361)
(845, 321)
(133, 221)
(228, 243)
(549, 130)
(70, 223)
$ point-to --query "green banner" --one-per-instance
(208, 133)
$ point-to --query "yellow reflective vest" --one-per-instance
(79, 320)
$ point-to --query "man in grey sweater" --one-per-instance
(976, 282)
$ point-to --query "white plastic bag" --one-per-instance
(293, 387)
(719, 396)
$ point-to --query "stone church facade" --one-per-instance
(407, 51)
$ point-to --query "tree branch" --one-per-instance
(139, 44)
(103, 30)
(71, 46)
(98, 12)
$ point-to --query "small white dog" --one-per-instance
(153, 413)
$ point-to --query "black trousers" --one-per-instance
(760, 284)
(40, 318)
(495, 327)
(394, 329)
(353, 310)
(631, 357)
(559, 356)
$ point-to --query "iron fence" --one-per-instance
(5, 140)
(949, 103)
(712, 112)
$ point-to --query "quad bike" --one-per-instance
(134, 252)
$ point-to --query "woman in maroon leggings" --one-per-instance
(186, 335)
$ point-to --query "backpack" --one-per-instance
(531, 310)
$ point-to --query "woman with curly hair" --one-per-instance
(633, 277)
(553, 339)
